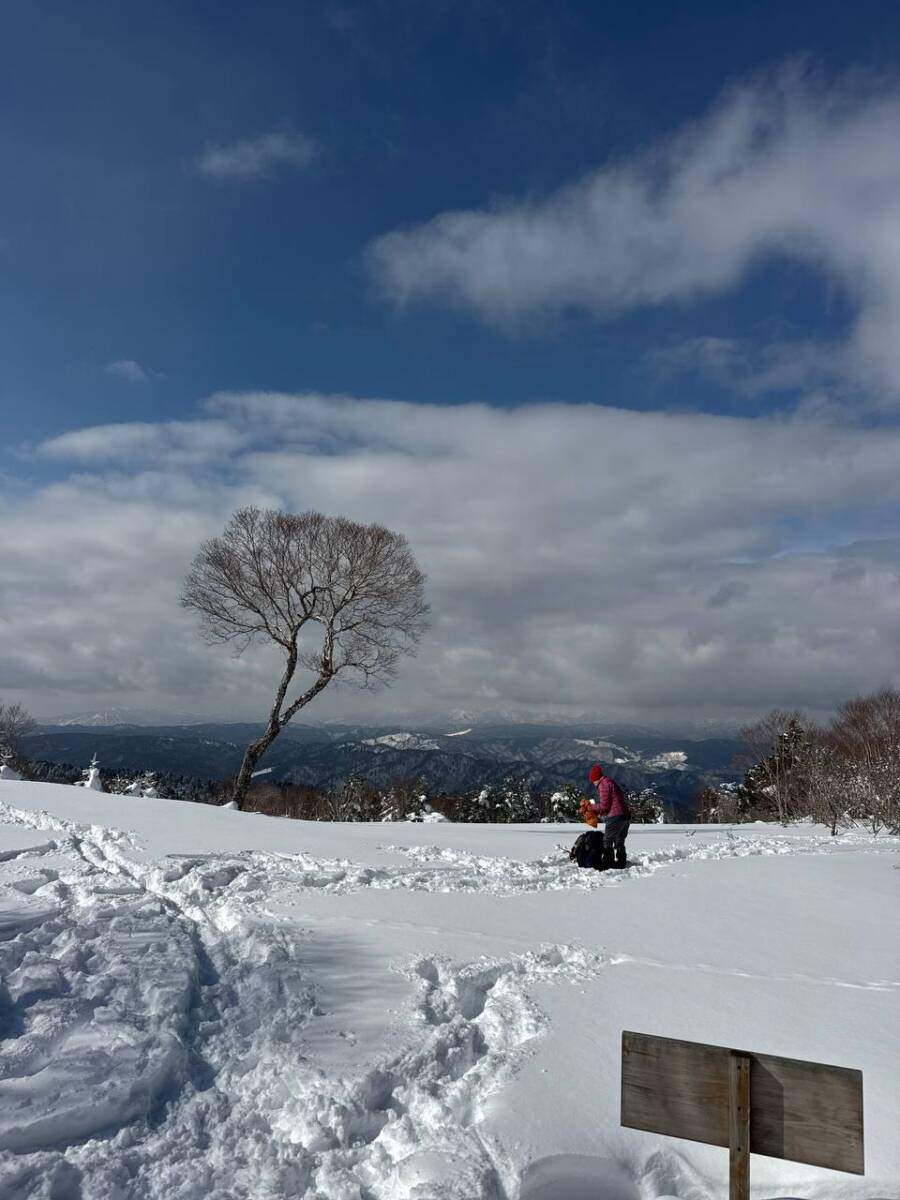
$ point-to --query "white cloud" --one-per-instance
(129, 370)
(256, 158)
(169, 443)
(578, 556)
(813, 372)
(781, 166)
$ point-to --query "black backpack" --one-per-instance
(588, 849)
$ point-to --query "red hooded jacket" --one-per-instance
(610, 801)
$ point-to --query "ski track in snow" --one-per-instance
(135, 1064)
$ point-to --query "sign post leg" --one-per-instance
(739, 1127)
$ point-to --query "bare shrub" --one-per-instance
(299, 801)
(865, 736)
(828, 798)
(15, 723)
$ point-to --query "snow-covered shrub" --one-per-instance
(147, 785)
(144, 785)
(7, 770)
(432, 817)
(425, 813)
(564, 805)
(91, 777)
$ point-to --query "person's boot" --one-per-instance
(621, 858)
(606, 859)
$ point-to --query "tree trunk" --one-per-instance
(256, 749)
(277, 722)
(252, 755)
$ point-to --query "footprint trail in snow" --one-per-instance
(157, 1023)
(154, 1023)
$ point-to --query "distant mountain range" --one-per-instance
(454, 760)
(453, 720)
(115, 717)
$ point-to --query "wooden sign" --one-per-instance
(753, 1103)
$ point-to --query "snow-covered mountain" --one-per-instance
(669, 760)
(456, 761)
(401, 741)
(110, 717)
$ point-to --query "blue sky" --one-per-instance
(115, 247)
(688, 210)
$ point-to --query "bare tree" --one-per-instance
(865, 733)
(827, 776)
(15, 723)
(354, 591)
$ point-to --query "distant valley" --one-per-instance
(447, 760)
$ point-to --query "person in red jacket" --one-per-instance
(611, 808)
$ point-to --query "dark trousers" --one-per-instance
(614, 834)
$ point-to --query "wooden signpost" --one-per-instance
(752, 1103)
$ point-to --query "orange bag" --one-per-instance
(590, 818)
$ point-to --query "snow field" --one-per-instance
(430, 1022)
(152, 984)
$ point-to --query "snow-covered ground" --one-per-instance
(196, 1002)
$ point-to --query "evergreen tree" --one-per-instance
(514, 802)
(647, 806)
(777, 780)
